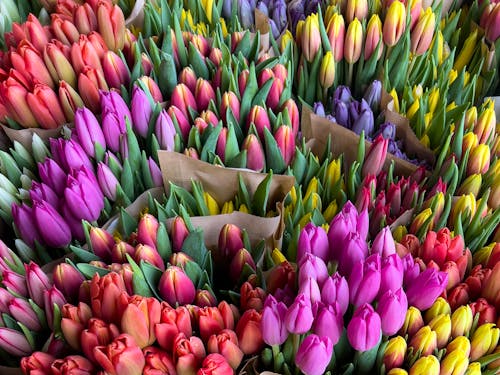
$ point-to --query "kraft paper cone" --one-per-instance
(25, 136)
(136, 17)
(344, 141)
(221, 183)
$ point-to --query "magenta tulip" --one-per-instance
(364, 281)
(392, 307)
(313, 239)
(314, 354)
(299, 316)
(273, 322)
(364, 329)
(336, 290)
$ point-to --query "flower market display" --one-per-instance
(254, 187)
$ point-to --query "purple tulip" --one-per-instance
(274, 28)
(88, 130)
(312, 266)
(112, 101)
(74, 156)
(411, 270)
(299, 316)
(393, 147)
(343, 94)
(15, 283)
(373, 95)
(392, 307)
(392, 273)
(165, 131)
(354, 249)
(383, 243)
(296, 11)
(336, 290)
(285, 295)
(36, 281)
(52, 174)
(226, 8)
(311, 7)
(273, 322)
(364, 122)
(113, 130)
(141, 111)
(246, 14)
(21, 310)
(319, 109)
(363, 224)
(14, 342)
(341, 113)
(314, 354)
(82, 199)
(41, 191)
(25, 225)
(364, 280)
(263, 8)
(46, 216)
(51, 297)
(364, 329)
(328, 322)
(107, 181)
(314, 240)
(426, 288)
(74, 224)
(279, 15)
(310, 288)
(341, 225)
(155, 172)
(388, 131)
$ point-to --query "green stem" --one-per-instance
(276, 352)
(295, 343)
(349, 74)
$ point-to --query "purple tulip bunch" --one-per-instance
(86, 176)
(275, 10)
(300, 9)
(369, 294)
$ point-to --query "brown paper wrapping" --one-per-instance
(222, 184)
(25, 136)
(344, 141)
(262, 25)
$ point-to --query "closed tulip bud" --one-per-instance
(165, 131)
(492, 21)
(25, 224)
(68, 279)
(255, 153)
(422, 33)
(491, 289)
(375, 158)
(37, 362)
(392, 307)
(258, 116)
(487, 312)
(188, 77)
(364, 280)
(461, 321)
(45, 214)
(182, 120)
(273, 322)
(240, 259)
(364, 329)
(485, 124)
(394, 23)
(45, 106)
(148, 254)
(425, 341)
(226, 344)
(101, 243)
(115, 70)
(157, 361)
(147, 230)
(249, 332)
(88, 130)
(179, 233)
(353, 41)
(428, 365)
(210, 322)
(229, 101)
(14, 342)
(90, 81)
(111, 24)
(14, 98)
(274, 96)
(204, 93)
(455, 362)
(230, 240)
(373, 37)
(286, 143)
(471, 185)
(70, 100)
(21, 310)
(441, 324)
(356, 9)
(121, 356)
(58, 65)
(139, 319)
(394, 354)
(314, 354)
(204, 298)
(104, 294)
(310, 37)
(183, 99)
(176, 287)
(33, 31)
(336, 35)
(299, 317)
(52, 297)
(484, 340)
(479, 159)
(440, 306)
(327, 70)
(413, 322)
(29, 63)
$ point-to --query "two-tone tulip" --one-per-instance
(422, 33)
(373, 37)
(111, 24)
(394, 353)
(176, 287)
(353, 41)
(394, 23)
(115, 71)
(310, 37)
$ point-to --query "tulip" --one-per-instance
(392, 307)
(241, 259)
(88, 130)
(85, 53)
(179, 233)
(58, 65)
(428, 365)
(353, 41)
(165, 131)
(487, 312)
(226, 344)
(141, 111)
(491, 289)
(258, 116)
(147, 230)
(157, 361)
(375, 158)
(229, 101)
(215, 364)
(155, 172)
(90, 81)
(37, 362)
(373, 37)
(251, 297)
(21, 310)
(394, 23)
(82, 200)
(314, 354)
(67, 279)
(111, 24)
(188, 353)
(455, 362)
(249, 332)
(29, 63)
(52, 297)
(44, 214)
(172, 322)
(336, 290)
(273, 322)
(299, 317)
(71, 364)
(425, 340)
(45, 106)
(14, 342)
(491, 27)
(328, 322)
(422, 33)
(204, 298)
(364, 280)
(286, 143)
(310, 38)
(313, 240)
(13, 95)
(204, 93)
(70, 100)
(383, 244)
(394, 353)
(336, 35)
(484, 340)
(479, 159)
(122, 356)
(230, 240)
(97, 333)
(425, 288)
(327, 70)
(413, 322)
(33, 31)
(101, 243)
(183, 99)
(153, 88)
(364, 329)
(104, 296)
(25, 224)
(188, 77)
(255, 153)
(176, 287)
(441, 324)
(439, 307)
(139, 319)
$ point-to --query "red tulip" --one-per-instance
(74, 320)
(72, 364)
(121, 357)
(105, 295)
(98, 333)
(157, 362)
(172, 322)
(139, 319)
(210, 322)
(249, 332)
(215, 364)
(188, 354)
(44, 105)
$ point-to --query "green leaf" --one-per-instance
(194, 245)
(259, 202)
(141, 286)
(275, 161)
(152, 276)
(83, 255)
(89, 270)
(163, 244)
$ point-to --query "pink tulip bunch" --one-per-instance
(50, 71)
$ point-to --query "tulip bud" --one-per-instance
(413, 322)
(204, 93)
(336, 35)
(373, 37)
(392, 309)
(310, 38)
(479, 159)
(394, 353)
(58, 65)
(394, 23)
(364, 329)
(314, 354)
(258, 116)
(14, 342)
(176, 287)
(375, 158)
(255, 153)
(327, 70)
(425, 341)
(353, 41)
(115, 71)
(484, 340)
(111, 24)
(425, 365)
(230, 240)
(249, 332)
(229, 101)
(45, 214)
(286, 143)
(422, 33)
(68, 279)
